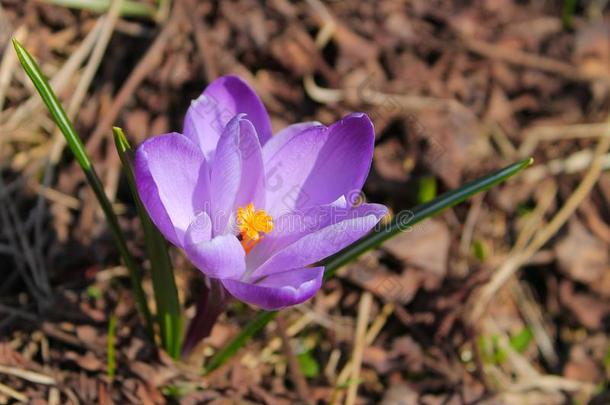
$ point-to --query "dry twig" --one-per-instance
(481, 301)
(293, 363)
(364, 310)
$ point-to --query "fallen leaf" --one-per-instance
(589, 310)
(88, 361)
(425, 246)
(582, 256)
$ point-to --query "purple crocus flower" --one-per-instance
(256, 211)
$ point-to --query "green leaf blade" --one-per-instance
(110, 347)
(169, 314)
(78, 150)
(371, 241)
(55, 108)
(308, 364)
(128, 8)
(407, 219)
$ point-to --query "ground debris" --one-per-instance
(455, 90)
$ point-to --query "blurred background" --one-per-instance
(503, 299)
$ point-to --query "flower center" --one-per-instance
(251, 224)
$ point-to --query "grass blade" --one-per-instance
(110, 347)
(567, 13)
(128, 8)
(406, 219)
(78, 149)
(372, 240)
(169, 315)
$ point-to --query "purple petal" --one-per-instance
(319, 164)
(237, 175)
(279, 290)
(288, 228)
(306, 244)
(200, 230)
(219, 257)
(224, 98)
(278, 140)
(172, 179)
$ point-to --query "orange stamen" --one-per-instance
(251, 224)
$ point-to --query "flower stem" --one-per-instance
(213, 301)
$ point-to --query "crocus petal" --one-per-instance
(288, 228)
(224, 98)
(200, 230)
(172, 179)
(278, 140)
(237, 175)
(319, 164)
(279, 290)
(312, 245)
(219, 257)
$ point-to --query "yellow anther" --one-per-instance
(251, 224)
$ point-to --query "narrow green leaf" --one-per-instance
(479, 249)
(499, 353)
(94, 292)
(128, 8)
(169, 315)
(521, 340)
(567, 13)
(426, 189)
(308, 364)
(403, 221)
(350, 381)
(55, 108)
(78, 149)
(110, 347)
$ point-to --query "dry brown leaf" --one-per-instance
(425, 246)
(582, 256)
